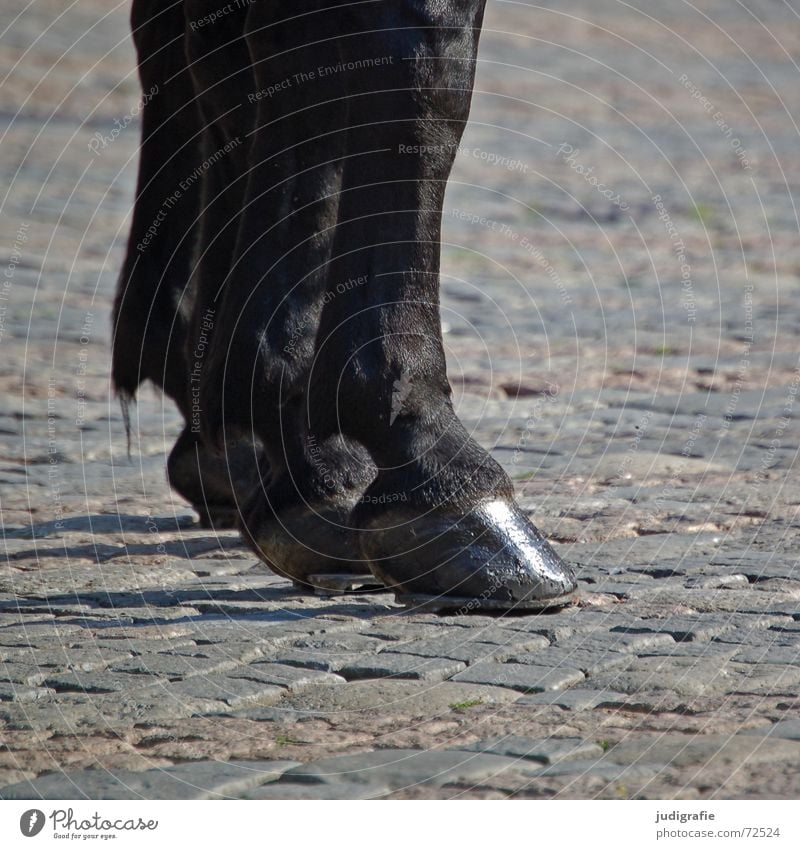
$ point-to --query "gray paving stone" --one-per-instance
(472, 651)
(756, 566)
(782, 655)
(756, 637)
(12, 619)
(291, 677)
(694, 648)
(574, 699)
(276, 715)
(528, 632)
(97, 682)
(107, 524)
(230, 652)
(785, 729)
(157, 611)
(727, 600)
(763, 679)
(31, 606)
(195, 780)
(235, 609)
(599, 769)
(322, 661)
(21, 673)
(396, 665)
(341, 643)
(392, 697)
(41, 717)
(74, 659)
(684, 676)
(588, 662)
(721, 581)
(406, 768)
(265, 632)
(402, 630)
(686, 750)
(547, 751)
(339, 790)
(615, 641)
(122, 648)
(681, 628)
(522, 677)
(155, 703)
(751, 403)
(623, 589)
(559, 626)
(30, 633)
(173, 667)
(23, 693)
(234, 692)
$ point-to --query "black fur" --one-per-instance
(306, 255)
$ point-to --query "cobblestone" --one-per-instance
(391, 665)
(341, 790)
(575, 699)
(606, 771)
(584, 661)
(682, 628)
(724, 748)
(523, 677)
(783, 655)
(22, 693)
(685, 676)
(787, 729)
(400, 768)
(291, 677)
(475, 650)
(548, 751)
(234, 692)
(96, 682)
(201, 780)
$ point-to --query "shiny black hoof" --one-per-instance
(217, 517)
(491, 558)
(215, 482)
(302, 542)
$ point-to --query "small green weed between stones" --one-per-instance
(466, 704)
(286, 740)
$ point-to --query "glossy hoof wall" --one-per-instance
(303, 542)
(217, 517)
(492, 558)
(215, 483)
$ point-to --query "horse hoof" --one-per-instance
(302, 542)
(216, 483)
(491, 558)
(217, 517)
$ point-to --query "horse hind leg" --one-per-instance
(254, 377)
(154, 324)
(150, 318)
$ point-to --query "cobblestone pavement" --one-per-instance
(622, 304)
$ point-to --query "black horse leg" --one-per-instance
(218, 63)
(150, 325)
(439, 522)
(153, 337)
(255, 379)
